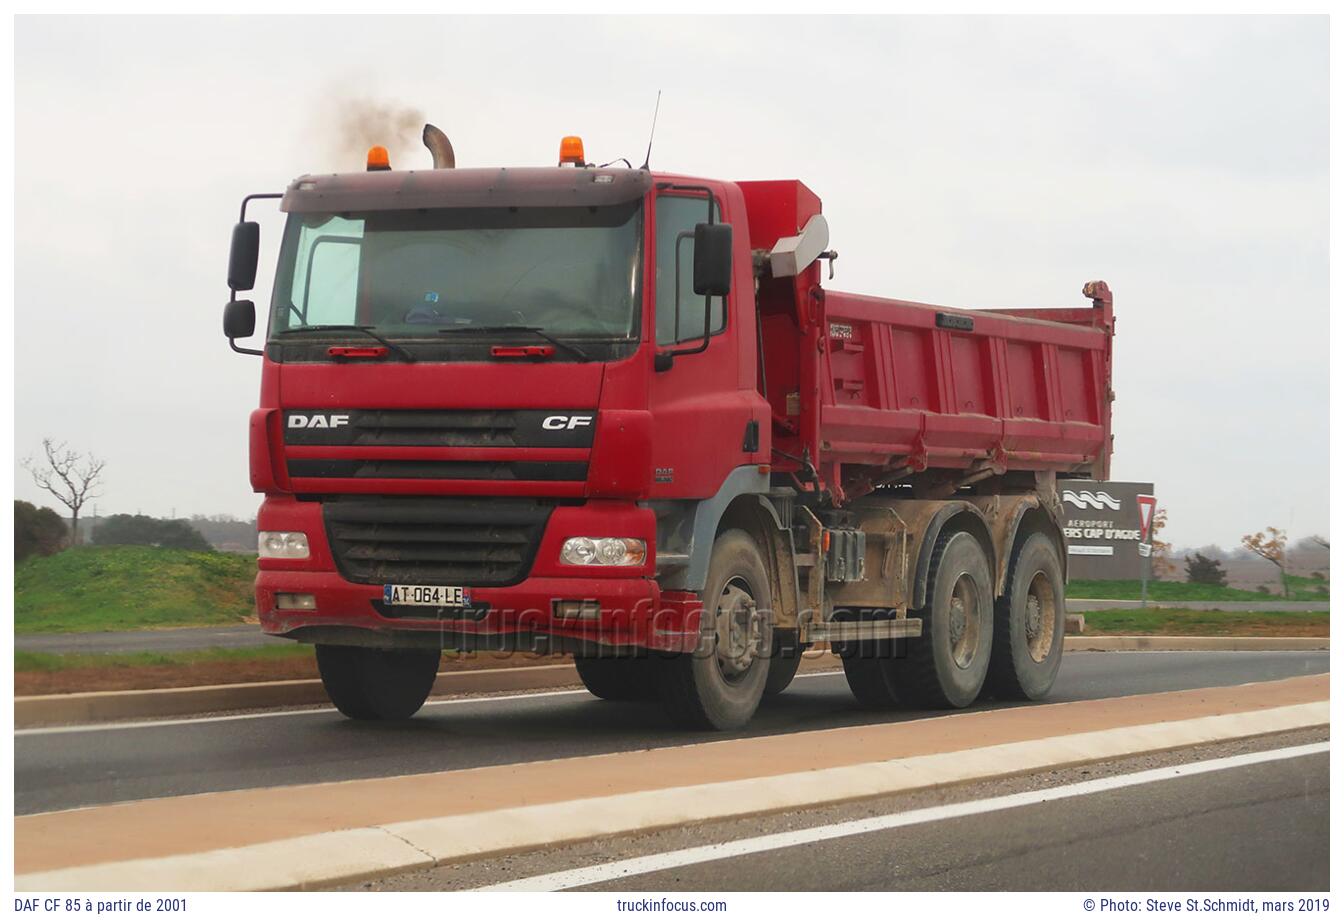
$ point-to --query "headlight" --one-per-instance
(603, 551)
(282, 544)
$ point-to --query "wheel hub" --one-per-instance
(957, 623)
(1041, 613)
(963, 623)
(1033, 617)
(739, 628)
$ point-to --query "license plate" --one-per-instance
(426, 596)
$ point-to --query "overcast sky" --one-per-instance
(966, 161)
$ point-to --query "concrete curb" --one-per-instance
(116, 705)
(324, 860)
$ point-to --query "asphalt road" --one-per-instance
(88, 766)
(1262, 827)
(186, 639)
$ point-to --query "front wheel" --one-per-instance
(720, 684)
(377, 683)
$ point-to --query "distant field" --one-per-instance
(1177, 622)
(1300, 589)
(104, 588)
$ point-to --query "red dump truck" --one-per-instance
(617, 413)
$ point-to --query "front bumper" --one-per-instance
(631, 611)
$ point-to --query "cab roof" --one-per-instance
(465, 188)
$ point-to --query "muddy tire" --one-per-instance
(784, 662)
(375, 683)
(945, 667)
(720, 684)
(867, 666)
(1029, 623)
(618, 678)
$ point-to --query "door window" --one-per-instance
(680, 311)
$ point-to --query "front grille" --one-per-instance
(435, 541)
(533, 470)
(441, 427)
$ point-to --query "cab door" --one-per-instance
(702, 413)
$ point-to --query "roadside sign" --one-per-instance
(1101, 525)
(1147, 507)
(1145, 550)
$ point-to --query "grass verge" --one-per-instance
(53, 661)
(1177, 622)
(1299, 588)
(109, 588)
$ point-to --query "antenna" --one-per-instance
(649, 152)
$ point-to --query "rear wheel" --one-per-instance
(784, 662)
(376, 683)
(946, 665)
(1029, 623)
(867, 664)
(720, 684)
(618, 678)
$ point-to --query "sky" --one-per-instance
(967, 161)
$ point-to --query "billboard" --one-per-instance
(1105, 524)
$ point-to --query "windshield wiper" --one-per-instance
(538, 331)
(367, 330)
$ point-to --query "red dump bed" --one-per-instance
(869, 390)
(926, 386)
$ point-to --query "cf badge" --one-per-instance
(566, 422)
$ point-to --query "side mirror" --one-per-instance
(713, 273)
(240, 319)
(243, 255)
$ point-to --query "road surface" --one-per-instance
(1253, 826)
(1264, 827)
(79, 766)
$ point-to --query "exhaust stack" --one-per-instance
(439, 147)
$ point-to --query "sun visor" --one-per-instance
(528, 187)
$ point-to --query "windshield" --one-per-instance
(570, 271)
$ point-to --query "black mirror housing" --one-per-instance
(713, 274)
(240, 319)
(243, 255)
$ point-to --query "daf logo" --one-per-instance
(565, 422)
(318, 421)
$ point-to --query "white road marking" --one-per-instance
(658, 862)
(324, 710)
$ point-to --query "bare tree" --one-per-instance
(1272, 548)
(68, 475)
(1320, 541)
(1162, 564)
